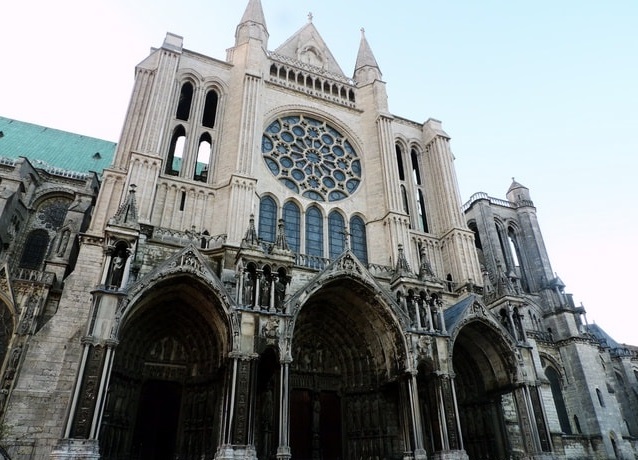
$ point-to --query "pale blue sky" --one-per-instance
(545, 91)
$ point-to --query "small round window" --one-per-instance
(312, 158)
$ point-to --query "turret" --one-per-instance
(518, 194)
(368, 77)
(366, 69)
(252, 25)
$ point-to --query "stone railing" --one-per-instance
(484, 196)
(35, 276)
(184, 238)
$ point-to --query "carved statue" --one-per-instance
(264, 294)
(117, 267)
(248, 289)
(280, 293)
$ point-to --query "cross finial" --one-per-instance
(310, 17)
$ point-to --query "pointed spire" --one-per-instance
(425, 269)
(366, 69)
(251, 240)
(252, 25)
(403, 267)
(127, 213)
(281, 245)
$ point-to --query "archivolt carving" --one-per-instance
(189, 261)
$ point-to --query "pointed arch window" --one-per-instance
(358, 240)
(400, 162)
(557, 393)
(210, 109)
(203, 157)
(423, 220)
(600, 397)
(314, 232)
(176, 151)
(416, 174)
(267, 219)
(35, 248)
(292, 225)
(336, 234)
(404, 199)
(185, 101)
(513, 246)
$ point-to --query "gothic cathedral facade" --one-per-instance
(276, 267)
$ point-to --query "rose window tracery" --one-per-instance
(311, 158)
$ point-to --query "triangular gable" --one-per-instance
(468, 309)
(307, 47)
(188, 260)
(346, 265)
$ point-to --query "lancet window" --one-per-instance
(292, 225)
(267, 219)
(336, 234)
(190, 150)
(412, 188)
(314, 232)
(317, 236)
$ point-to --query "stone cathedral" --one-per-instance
(271, 265)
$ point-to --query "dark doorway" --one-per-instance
(315, 425)
(157, 420)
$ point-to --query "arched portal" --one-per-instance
(345, 397)
(165, 389)
(487, 409)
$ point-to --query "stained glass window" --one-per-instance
(336, 234)
(267, 219)
(292, 223)
(311, 158)
(314, 232)
(358, 239)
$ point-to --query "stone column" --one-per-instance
(283, 450)
(532, 410)
(531, 439)
(236, 429)
(448, 413)
(417, 425)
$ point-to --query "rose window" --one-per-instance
(311, 158)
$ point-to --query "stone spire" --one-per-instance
(127, 213)
(281, 245)
(251, 240)
(402, 268)
(366, 69)
(425, 269)
(252, 25)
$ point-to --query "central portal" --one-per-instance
(315, 428)
(157, 420)
(344, 397)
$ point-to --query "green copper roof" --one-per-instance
(48, 147)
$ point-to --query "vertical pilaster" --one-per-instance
(389, 162)
(457, 241)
